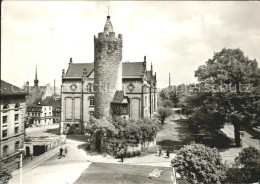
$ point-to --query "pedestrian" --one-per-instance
(168, 153)
(122, 155)
(61, 151)
(65, 151)
(160, 151)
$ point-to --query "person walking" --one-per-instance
(65, 151)
(168, 153)
(160, 151)
(61, 151)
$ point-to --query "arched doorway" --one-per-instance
(27, 151)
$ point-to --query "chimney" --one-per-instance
(54, 88)
(70, 61)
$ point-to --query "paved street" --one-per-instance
(67, 170)
(49, 169)
(247, 139)
(42, 130)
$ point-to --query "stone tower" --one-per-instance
(107, 68)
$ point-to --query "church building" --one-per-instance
(108, 87)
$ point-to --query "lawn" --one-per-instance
(105, 173)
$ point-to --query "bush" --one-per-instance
(167, 103)
(199, 164)
(164, 113)
(248, 164)
(5, 174)
(74, 129)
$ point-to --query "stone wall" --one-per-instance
(107, 71)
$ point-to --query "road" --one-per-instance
(67, 170)
(42, 130)
(246, 138)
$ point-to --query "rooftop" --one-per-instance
(129, 69)
(8, 89)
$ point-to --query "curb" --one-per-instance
(36, 164)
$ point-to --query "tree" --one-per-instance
(164, 113)
(247, 167)
(199, 164)
(163, 95)
(174, 97)
(232, 71)
(167, 104)
(5, 174)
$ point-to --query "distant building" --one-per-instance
(55, 102)
(12, 123)
(107, 86)
(36, 91)
(39, 114)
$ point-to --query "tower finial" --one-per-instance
(108, 10)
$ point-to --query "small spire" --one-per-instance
(108, 11)
(36, 81)
(36, 73)
(108, 25)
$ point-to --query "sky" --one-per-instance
(176, 36)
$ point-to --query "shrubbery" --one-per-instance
(120, 128)
(246, 168)
(199, 164)
(74, 129)
(5, 174)
(123, 133)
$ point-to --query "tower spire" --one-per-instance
(36, 81)
(108, 11)
(108, 25)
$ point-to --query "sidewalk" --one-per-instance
(37, 161)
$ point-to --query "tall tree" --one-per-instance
(233, 73)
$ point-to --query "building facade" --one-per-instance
(39, 114)
(37, 92)
(12, 124)
(88, 89)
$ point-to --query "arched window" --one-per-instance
(16, 146)
(5, 151)
(5, 107)
(17, 107)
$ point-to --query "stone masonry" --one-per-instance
(107, 68)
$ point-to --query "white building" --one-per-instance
(40, 115)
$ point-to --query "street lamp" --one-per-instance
(21, 164)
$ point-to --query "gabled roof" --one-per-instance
(50, 101)
(76, 69)
(129, 69)
(132, 68)
(34, 109)
(8, 89)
